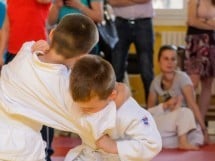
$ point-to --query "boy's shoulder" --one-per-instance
(131, 108)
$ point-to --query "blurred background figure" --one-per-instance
(200, 48)
(2, 32)
(134, 25)
(25, 21)
(2, 12)
(171, 83)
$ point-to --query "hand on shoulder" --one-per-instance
(40, 45)
(123, 93)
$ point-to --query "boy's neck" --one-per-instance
(51, 57)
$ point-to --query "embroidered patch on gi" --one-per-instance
(145, 120)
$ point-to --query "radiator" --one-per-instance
(173, 38)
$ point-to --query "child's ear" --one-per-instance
(51, 34)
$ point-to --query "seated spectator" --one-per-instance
(171, 83)
(200, 48)
(177, 125)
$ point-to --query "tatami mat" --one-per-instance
(206, 153)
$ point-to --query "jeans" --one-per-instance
(48, 136)
(140, 32)
(8, 57)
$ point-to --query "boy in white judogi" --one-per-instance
(135, 136)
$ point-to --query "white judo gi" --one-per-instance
(34, 93)
(40, 92)
(135, 132)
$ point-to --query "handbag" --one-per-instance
(107, 28)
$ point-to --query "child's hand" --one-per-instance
(173, 103)
(40, 45)
(123, 93)
(107, 144)
(178, 101)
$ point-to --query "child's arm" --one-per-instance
(141, 141)
(138, 137)
(107, 144)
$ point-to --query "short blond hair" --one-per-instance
(74, 35)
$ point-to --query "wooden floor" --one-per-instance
(62, 145)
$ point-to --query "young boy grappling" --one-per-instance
(134, 136)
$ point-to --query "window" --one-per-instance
(171, 12)
(168, 4)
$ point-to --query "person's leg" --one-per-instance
(204, 98)
(144, 40)
(48, 135)
(120, 52)
(185, 123)
(184, 144)
(205, 95)
(196, 137)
